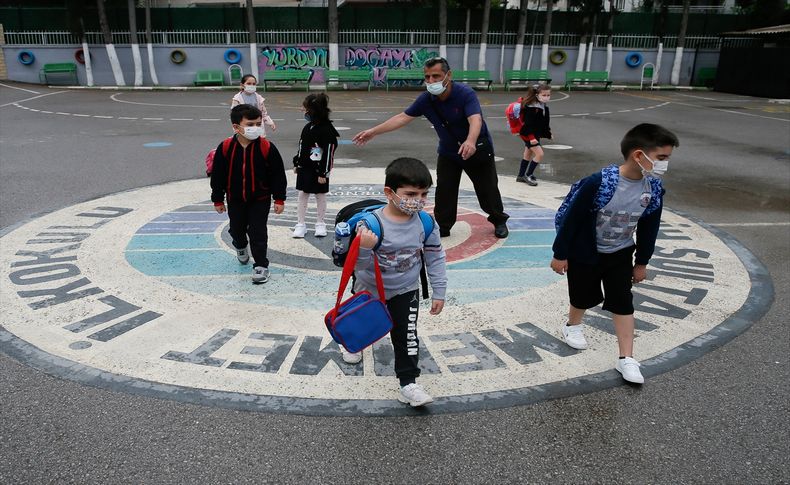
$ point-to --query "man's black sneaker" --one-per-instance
(500, 231)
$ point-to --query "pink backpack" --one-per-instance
(513, 115)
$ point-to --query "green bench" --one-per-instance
(58, 68)
(209, 78)
(572, 77)
(526, 76)
(473, 76)
(288, 76)
(404, 75)
(348, 76)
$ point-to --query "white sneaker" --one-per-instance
(350, 357)
(629, 368)
(574, 336)
(414, 395)
(243, 255)
(300, 230)
(320, 229)
(260, 275)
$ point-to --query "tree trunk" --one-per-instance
(111, 55)
(582, 43)
(681, 43)
(481, 58)
(252, 38)
(138, 63)
(544, 52)
(522, 29)
(466, 39)
(591, 43)
(609, 36)
(149, 42)
(662, 27)
(334, 27)
(443, 28)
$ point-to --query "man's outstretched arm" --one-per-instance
(398, 121)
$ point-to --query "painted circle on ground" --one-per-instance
(498, 159)
(157, 144)
(141, 292)
(347, 161)
(557, 147)
(342, 128)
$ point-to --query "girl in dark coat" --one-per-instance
(535, 116)
(313, 162)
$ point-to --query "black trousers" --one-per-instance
(404, 309)
(250, 218)
(485, 181)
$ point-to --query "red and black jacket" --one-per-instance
(247, 174)
(536, 122)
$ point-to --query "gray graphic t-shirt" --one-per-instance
(617, 220)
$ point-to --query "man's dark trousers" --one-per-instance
(485, 181)
(251, 218)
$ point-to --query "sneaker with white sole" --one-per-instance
(629, 368)
(300, 230)
(414, 395)
(350, 357)
(243, 255)
(260, 275)
(320, 229)
(574, 336)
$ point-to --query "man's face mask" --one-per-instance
(409, 205)
(436, 88)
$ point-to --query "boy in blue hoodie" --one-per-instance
(595, 238)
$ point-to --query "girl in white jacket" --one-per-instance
(247, 95)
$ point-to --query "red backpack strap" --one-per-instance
(265, 146)
(226, 146)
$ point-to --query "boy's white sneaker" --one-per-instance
(574, 336)
(260, 275)
(629, 368)
(320, 229)
(351, 357)
(243, 255)
(300, 230)
(414, 395)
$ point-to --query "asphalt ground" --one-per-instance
(721, 419)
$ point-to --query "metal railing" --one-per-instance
(352, 37)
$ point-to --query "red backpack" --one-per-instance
(513, 115)
(265, 145)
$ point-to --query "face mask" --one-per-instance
(252, 132)
(250, 88)
(544, 98)
(659, 167)
(436, 88)
(307, 117)
(409, 205)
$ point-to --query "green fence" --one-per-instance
(358, 18)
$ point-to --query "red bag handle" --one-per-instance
(348, 268)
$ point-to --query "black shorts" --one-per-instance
(614, 271)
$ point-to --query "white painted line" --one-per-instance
(47, 112)
(21, 89)
(153, 119)
(638, 109)
(697, 97)
(276, 119)
(80, 115)
(624, 111)
(61, 113)
(580, 114)
(114, 97)
(366, 119)
(34, 110)
(734, 112)
(127, 118)
(182, 119)
(30, 99)
(604, 113)
(104, 117)
(216, 119)
(750, 224)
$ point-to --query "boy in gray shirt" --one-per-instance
(400, 254)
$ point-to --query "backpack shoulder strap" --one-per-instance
(226, 146)
(371, 219)
(265, 147)
(427, 224)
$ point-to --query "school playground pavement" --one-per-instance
(113, 180)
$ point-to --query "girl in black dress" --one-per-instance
(314, 161)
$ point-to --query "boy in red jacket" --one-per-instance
(249, 171)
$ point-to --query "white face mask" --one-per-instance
(436, 88)
(250, 88)
(544, 98)
(253, 132)
(660, 167)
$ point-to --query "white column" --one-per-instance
(608, 58)
(116, 65)
(544, 57)
(334, 60)
(88, 66)
(481, 58)
(151, 68)
(580, 57)
(675, 78)
(518, 56)
(138, 65)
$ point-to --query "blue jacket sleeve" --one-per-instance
(647, 233)
(577, 215)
